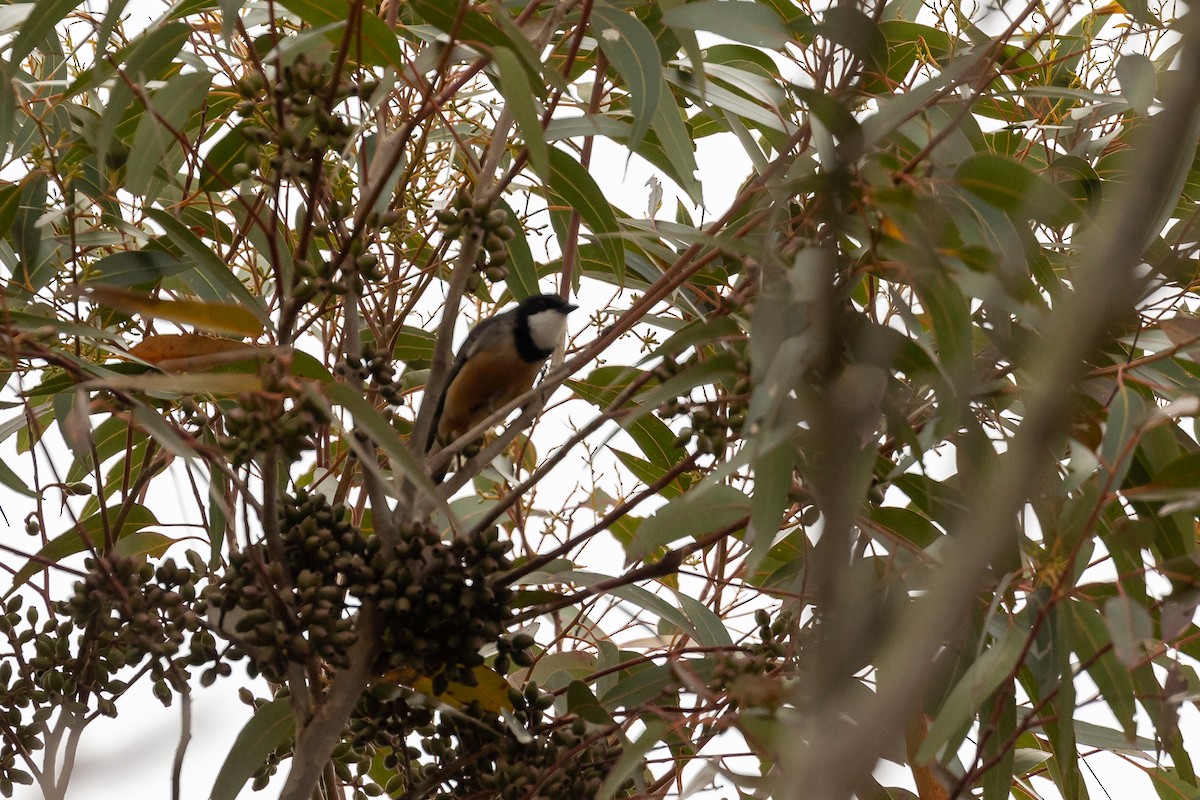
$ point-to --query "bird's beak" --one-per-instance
(571, 307)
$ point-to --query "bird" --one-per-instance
(498, 362)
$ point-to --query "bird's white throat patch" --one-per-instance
(546, 328)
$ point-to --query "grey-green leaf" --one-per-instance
(631, 49)
(272, 725)
(748, 23)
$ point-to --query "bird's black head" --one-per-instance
(544, 302)
(539, 325)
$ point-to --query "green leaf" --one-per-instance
(906, 525)
(1089, 636)
(773, 469)
(230, 10)
(574, 186)
(1126, 415)
(581, 701)
(556, 670)
(156, 144)
(643, 598)
(710, 372)
(522, 271)
(10, 202)
(1139, 81)
(950, 318)
(133, 268)
(632, 756)
(211, 278)
(858, 33)
(1171, 786)
(652, 435)
(31, 240)
(88, 533)
(467, 24)
(519, 94)
(144, 543)
(109, 438)
(631, 49)
(906, 42)
(8, 108)
(698, 331)
(146, 58)
(38, 25)
(386, 438)
(272, 726)
(229, 151)
(637, 686)
(150, 421)
(1177, 480)
(710, 630)
(1059, 724)
(374, 43)
(13, 481)
(981, 679)
(1130, 627)
(694, 514)
(1013, 187)
(414, 346)
(748, 23)
(765, 117)
(997, 781)
(648, 473)
(1140, 11)
(670, 129)
(74, 424)
(1091, 735)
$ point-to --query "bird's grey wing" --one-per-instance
(468, 347)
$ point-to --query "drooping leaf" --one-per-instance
(1112, 679)
(134, 268)
(213, 317)
(373, 43)
(749, 23)
(38, 25)
(631, 49)
(476, 28)
(694, 514)
(519, 95)
(1130, 627)
(574, 187)
(272, 726)
(210, 277)
(980, 680)
(631, 757)
(156, 143)
(858, 33)
(1015, 188)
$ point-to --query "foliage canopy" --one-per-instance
(896, 438)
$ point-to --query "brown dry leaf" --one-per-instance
(178, 346)
(1183, 331)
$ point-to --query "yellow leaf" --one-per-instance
(491, 693)
(889, 229)
(214, 317)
